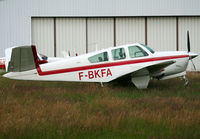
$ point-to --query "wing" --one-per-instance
(141, 76)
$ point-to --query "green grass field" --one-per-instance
(33, 109)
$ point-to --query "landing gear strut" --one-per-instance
(185, 80)
(101, 84)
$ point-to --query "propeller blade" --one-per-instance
(188, 41)
(191, 55)
(193, 65)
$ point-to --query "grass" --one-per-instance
(33, 109)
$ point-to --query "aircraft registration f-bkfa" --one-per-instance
(136, 61)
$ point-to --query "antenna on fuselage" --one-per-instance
(65, 54)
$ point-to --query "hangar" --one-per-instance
(82, 26)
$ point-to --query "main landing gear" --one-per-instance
(185, 80)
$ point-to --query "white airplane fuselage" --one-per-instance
(80, 69)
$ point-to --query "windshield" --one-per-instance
(151, 50)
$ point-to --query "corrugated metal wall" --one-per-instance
(70, 35)
(79, 35)
(193, 25)
(100, 33)
(15, 15)
(43, 35)
(130, 30)
(161, 33)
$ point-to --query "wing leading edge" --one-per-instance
(140, 78)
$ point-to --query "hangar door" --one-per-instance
(99, 33)
(54, 35)
(75, 35)
(42, 30)
(85, 34)
(161, 32)
(81, 35)
(130, 30)
(70, 35)
(193, 25)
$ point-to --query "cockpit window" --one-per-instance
(118, 54)
(102, 57)
(136, 51)
(151, 50)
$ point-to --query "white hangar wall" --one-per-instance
(134, 21)
(15, 15)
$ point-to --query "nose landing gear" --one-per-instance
(185, 80)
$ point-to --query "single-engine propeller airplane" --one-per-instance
(136, 61)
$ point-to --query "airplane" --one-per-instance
(138, 62)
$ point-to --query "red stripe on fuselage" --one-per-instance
(58, 71)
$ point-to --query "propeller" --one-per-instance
(193, 65)
(188, 41)
(188, 47)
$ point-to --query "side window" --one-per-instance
(135, 51)
(118, 54)
(99, 57)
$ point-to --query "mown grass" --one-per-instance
(33, 109)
